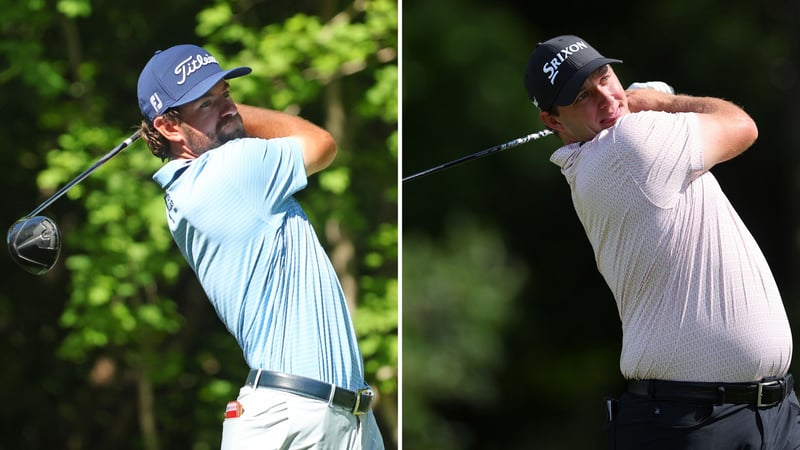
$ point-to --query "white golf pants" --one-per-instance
(274, 419)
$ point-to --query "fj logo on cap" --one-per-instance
(155, 100)
(192, 64)
(550, 68)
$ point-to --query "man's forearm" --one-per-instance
(319, 147)
(267, 123)
(649, 100)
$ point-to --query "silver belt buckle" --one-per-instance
(760, 393)
(363, 399)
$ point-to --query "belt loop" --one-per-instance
(651, 389)
(331, 395)
(720, 395)
(255, 381)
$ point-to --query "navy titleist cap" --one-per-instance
(177, 76)
(557, 69)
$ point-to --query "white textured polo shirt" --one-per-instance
(695, 295)
(232, 213)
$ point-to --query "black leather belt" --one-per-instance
(765, 393)
(357, 402)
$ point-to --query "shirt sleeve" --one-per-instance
(267, 171)
(662, 153)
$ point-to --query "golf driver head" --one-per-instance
(34, 243)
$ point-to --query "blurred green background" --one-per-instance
(117, 347)
(510, 337)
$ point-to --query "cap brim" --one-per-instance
(204, 86)
(571, 88)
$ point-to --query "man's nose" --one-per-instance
(228, 107)
(606, 98)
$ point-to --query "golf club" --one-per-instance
(34, 241)
(497, 148)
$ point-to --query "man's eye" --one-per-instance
(205, 104)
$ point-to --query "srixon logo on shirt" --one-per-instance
(191, 65)
(550, 68)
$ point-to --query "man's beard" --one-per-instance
(228, 130)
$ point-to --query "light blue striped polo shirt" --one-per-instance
(259, 260)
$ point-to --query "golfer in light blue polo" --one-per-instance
(229, 182)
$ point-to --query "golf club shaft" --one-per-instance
(497, 148)
(85, 173)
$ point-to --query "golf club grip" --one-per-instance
(86, 173)
(488, 151)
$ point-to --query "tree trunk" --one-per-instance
(147, 416)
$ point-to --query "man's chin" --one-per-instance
(236, 132)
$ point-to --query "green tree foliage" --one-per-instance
(135, 356)
(461, 297)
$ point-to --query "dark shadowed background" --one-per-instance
(511, 338)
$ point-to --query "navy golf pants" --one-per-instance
(637, 423)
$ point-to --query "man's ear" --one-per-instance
(169, 129)
(551, 121)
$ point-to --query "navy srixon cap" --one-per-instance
(557, 69)
(177, 76)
